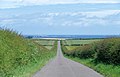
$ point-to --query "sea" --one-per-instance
(72, 36)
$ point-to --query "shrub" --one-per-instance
(102, 51)
(85, 52)
(108, 51)
(115, 53)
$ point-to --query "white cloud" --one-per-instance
(9, 3)
(15, 3)
(81, 19)
(102, 13)
(84, 19)
(99, 14)
(68, 1)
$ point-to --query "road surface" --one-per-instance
(63, 67)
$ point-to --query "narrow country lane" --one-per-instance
(63, 67)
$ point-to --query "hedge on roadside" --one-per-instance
(106, 51)
(85, 52)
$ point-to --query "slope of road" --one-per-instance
(63, 67)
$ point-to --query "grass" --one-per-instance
(105, 69)
(73, 42)
(46, 42)
(71, 47)
(20, 57)
(49, 47)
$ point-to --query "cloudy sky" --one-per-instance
(61, 17)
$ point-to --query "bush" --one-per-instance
(108, 51)
(85, 52)
(102, 51)
(115, 53)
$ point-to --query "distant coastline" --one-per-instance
(71, 36)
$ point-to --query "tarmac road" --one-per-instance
(63, 67)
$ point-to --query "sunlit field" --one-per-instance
(46, 43)
(72, 43)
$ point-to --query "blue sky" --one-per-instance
(61, 17)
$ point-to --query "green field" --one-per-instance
(72, 44)
(48, 47)
(71, 47)
(75, 42)
(46, 43)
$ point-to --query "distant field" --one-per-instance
(48, 47)
(46, 43)
(71, 47)
(72, 44)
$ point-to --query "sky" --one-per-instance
(61, 17)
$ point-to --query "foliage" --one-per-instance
(103, 56)
(18, 55)
(108, 51)
(81, 51)
(85, 52)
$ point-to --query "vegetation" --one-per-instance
(20, 57)
(79, 42)
(45, 42)
(72, 44)
(48, 43)
(101, 55)
(105, 69)
(71, 47)
(108, 51)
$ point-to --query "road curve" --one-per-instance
(63, 67)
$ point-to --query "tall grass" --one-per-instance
(20, 57)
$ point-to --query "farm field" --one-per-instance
(72, 44)
(46, 43)
(75, 42)
(71, 47)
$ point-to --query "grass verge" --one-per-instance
(105, 69)
(21, 57)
